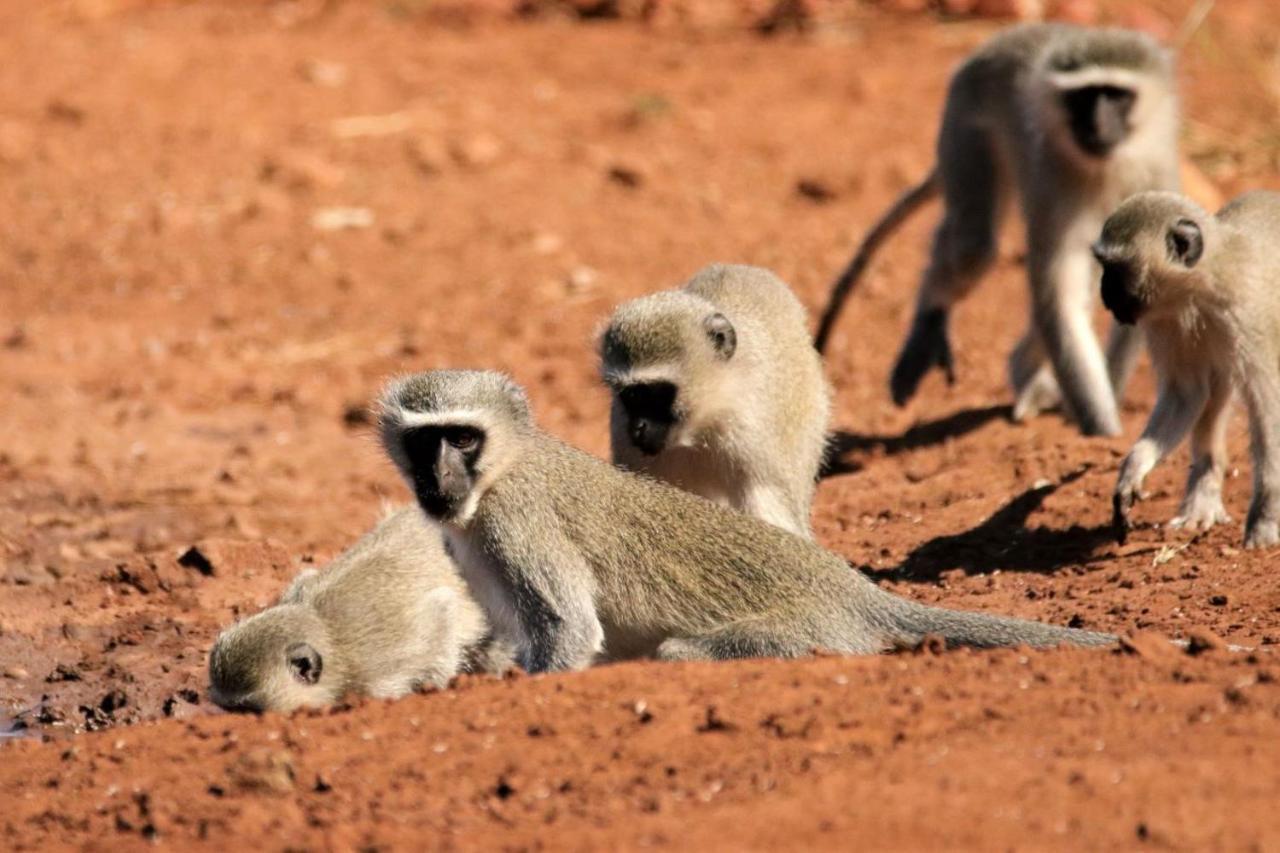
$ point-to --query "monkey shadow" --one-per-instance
(1004, 542)
(926, 434)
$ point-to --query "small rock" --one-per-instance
(263, 770)
(1218, 600)
(1149, 646)
(113, 701)
(194, 558)
(581, 279)
(625, 176)
(60, 110)
(479, 151)
(341, 218)
(16, 339)
(428, 154)
(356, 415)
(1201, 640)
(546, 243)
(815, 190)
(323, 73)
(16, 673)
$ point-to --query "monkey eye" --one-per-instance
(463, 438)
(305, 663)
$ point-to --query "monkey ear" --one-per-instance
(305, 663)
(1185, 242)
(721, 332)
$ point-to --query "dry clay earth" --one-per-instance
(189, 347)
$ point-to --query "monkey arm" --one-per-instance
(552, 591)
(1262, 394)
(1202, 504)
(1061, 291)
(1177, 408)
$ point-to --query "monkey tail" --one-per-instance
(906, 205)
(912, 622)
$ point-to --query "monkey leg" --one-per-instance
(1262, 527)
(1177, 407)
(964, 247)
(1202, 505)
(753, 639)
(1035, 389)
(1061, 307)
(1124, 344)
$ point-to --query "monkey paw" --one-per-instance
(1262, 533)
(1039, 395)
(1127, 494)
(927, 347)
(1200, 513)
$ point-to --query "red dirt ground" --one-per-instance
(187, 358)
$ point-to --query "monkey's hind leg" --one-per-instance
(1202, 506)
(1262, 527)
(1061, 296)
(1035, 389)
(964, 247)
(753, 639)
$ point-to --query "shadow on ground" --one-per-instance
(845, 445)
(1004, 542)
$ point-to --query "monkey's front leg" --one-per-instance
(1176, 409)
(1202, 505)
(1262, 527)
(557, 616)
(1061, 282)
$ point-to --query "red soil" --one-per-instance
(187, 358)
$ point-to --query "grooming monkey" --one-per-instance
(1075, 120)
(718, 390)
(1203, 288)
(388, 616)
(571, 556)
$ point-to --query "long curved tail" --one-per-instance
(912, 622)
(906, 205)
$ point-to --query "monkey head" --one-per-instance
(1150, 251)
(451, 433)
(277, 660)
(663, 358)
(1101, 87)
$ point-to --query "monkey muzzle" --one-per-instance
(442, 486)
(651, 415)
(1119, 286)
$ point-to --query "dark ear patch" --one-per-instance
(1099, 116)
(305, 663)
(721, 332)
(1185, 242)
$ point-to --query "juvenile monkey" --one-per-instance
(389, 615)
(1073, 120)
(1203, 288)
(718, 390)
(571, 556)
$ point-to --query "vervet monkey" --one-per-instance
(717, 390)
(1073, 120)
(1204, 289)
(572, 557)
(386, 617)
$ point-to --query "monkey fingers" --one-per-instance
(1121, 503)
(926, 347)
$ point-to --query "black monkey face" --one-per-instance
(1122, 292)
(1098, 116)
(650, 409)
(444, 461)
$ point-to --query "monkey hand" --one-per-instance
(1128, 492)
(927, 346)
(1200, 512)
(1262, 533)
